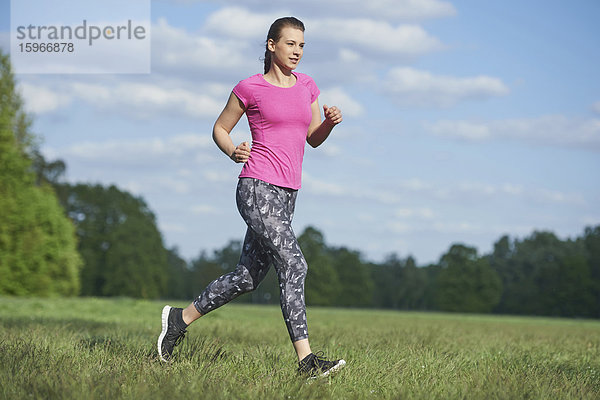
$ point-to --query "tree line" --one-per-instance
(58, 238)
(38, 250)
(537, 275)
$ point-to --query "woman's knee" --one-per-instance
(301, 269)
(243, 279)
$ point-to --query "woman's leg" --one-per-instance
(190, 314)
(251, 270)
(268, 210)
(302, 348)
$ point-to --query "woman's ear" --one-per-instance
(271, 45)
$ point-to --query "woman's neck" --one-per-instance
(280, 77)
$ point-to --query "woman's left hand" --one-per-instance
(333, 115)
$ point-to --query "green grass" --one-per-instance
(106, 349)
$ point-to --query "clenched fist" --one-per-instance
(333, 115)
(241, 153)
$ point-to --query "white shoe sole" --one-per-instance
(165, 324)
(331, 370)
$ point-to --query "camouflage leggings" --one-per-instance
(267, 210)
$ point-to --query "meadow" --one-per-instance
(90, 348)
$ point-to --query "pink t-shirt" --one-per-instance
(279, 119)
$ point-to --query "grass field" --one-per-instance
(106, 349)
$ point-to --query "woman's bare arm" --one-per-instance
(319, 130)
(231, 114)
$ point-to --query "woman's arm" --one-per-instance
(231, 114)
(319, 131)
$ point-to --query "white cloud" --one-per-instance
(151, 152)
(387, 9)
(487, 189)
(367, 35)
(458, 227)
(459, 193)
(200, 209)
(399, 227)
(240, 23)
(403, 9)
(414, 87)
(557, 197)
(176, 50)
(507, 190)
(217, 176)
(349, 56)
(146, 100)
(596, 107)
(461, 129)
(317, 186)
(150, 99)
(172, 228)
(191, 141)
(39, 100)
(331, 150)
(355, 190)
(402, 227)
(132, 186)
(349, 190)
(415, 184)
(557, 130)
(338, 97)
(171, 185)
(418, 212)
(590, 220)
(374, 36)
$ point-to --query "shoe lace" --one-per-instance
(320, 362)
(177, 336)
(307, 364)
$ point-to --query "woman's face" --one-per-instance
(287, 51)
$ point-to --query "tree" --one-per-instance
(38, 253)
(574, 294)
(179, 284)
(546, 276)
(466, 283)
(322, 286)
(501, 261)
(386, 278)
(591, 242)
(121, 246)
(204, 271)
(413, 285)
(267, 291)
(432, 273)
(399, 284)
(355, 280)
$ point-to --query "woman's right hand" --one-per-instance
(241, 153)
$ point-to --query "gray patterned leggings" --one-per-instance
(267, 210)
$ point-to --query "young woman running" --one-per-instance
(283, 112)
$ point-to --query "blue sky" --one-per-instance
(464, 121)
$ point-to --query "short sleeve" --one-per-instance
(312, 87)
(242, 91)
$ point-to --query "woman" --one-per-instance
(283, 112)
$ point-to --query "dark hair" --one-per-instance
(275, 34)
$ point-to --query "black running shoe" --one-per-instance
(171, 334)
(315, 366)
